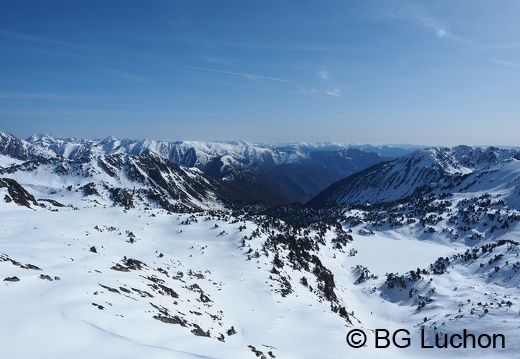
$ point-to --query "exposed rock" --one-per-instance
(120, 268)
(30, 266)
(121, 197)
(204, 298)
(142, 293)
(257, 352)
(199, 332)
(169, 291)
(51, 201)
(17, 193)
(100, 307)
(170, 320)
(134, 264)
(89, 189)
(110, 289)
(231, 331)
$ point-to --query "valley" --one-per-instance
(132, 255)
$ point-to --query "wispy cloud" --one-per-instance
(512, 45)
(137, 78)
(336, 92)
(248, 76)
(323, 74)
(49, 74)
(41, 40)
(127, 76)
(46, 98)
(295, 47)
(35, 96)
(325, 86)
(69, 48)
(507, 63)
(53, 47)
(414, 13)
(307, 91)
(214, 60)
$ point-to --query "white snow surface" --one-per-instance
(7, 161)
(63, 318)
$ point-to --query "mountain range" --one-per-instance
(272, 174)
(123, 248)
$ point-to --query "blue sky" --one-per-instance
(421, 72)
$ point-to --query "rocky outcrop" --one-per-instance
(16, 193)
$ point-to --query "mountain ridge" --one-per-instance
(285, 173)
(399, 178)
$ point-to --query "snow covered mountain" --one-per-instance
(269, 174)
(399, 178)
(124, 180)
(118, 254)
(215, 157)
(12, 148)
(275, 174)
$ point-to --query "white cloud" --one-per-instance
(336, 92)
(308, 91)
(127, 76)
(249, 76)
(324, 75)
(412, 12)
(214, 60)
(441, 33)
(507, 63)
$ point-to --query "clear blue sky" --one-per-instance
(422, 72)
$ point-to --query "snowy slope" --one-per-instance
(144, 283)
(396, 179)
(121, 179)
(82, 280)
